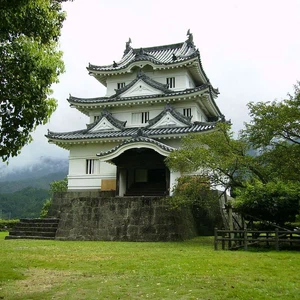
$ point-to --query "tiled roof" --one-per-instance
(177, 115)
(106, 114)
(129, 132)
(142, 76)
(138, 139)
(167, 54)
(115, 97)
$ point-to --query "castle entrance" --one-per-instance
(142, 172)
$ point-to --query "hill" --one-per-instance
(25, 203)
(23, 191)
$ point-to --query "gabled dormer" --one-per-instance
(106, 122)
(141, 86)
(169, 117)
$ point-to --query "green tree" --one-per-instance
(59, 186)
(274, 122)
(265, 182)
(276, 202)
(55, 187)
(30, 63)
(218, 156)
(274, 130)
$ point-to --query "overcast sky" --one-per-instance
(250, 50)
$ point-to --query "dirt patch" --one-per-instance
(38, 281)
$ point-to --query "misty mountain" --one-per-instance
(41, 182)
(23, 190)
(38, 175)
(41, 168)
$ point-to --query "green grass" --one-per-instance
(121, 270)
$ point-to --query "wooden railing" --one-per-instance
(235, 239)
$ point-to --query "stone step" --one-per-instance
(38, 220)
(36, 225)
(17, 237)
(148, 194)
(35, 229)
(32, 233)
(42, 229)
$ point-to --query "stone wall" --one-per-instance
(100, 216)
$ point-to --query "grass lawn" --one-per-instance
(32, 269)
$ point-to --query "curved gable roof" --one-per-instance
(142, 76)
(108, 116)
(177, 115)
(138, 141)
(167, 54)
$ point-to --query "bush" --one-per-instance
(6, 225)
(195, 192)
(45, 208)
(276, 202)
(59, 186)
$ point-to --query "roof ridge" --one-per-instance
(162, 47)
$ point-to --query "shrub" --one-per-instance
(45, 208)
(276, 202)
(6, 225)
(195, 192)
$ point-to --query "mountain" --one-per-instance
(41, 182)
(42, 167)
(25, 203)
(24, 190)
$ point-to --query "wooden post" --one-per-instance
(276, 239)
(230, 221)
(223, 242)
(216, 238)
(245, 239)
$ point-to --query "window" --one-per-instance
(187, 112)
(96, 118)
(140, 118)
(145, 117)
(90, 166)
(121, 85)
(171, 82)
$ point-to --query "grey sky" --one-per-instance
(250, 50)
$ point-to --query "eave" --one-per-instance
(67, 139)
(86, 105)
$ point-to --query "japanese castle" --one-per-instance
(154, 97)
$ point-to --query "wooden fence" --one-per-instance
(235, 239)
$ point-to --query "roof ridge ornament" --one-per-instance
(127, 46)
(190, 40)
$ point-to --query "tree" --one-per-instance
(56, 186)
(275, 122)
(275, 131)
(217, 156)
(275, 202)
(30, 63)
(264, 183)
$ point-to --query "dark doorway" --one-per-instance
(146, 173)
(156, 175)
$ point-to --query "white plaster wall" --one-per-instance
(112, 83)
(182, 79)
(77, 177)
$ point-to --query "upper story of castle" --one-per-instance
(147, 79)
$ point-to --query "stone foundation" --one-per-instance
(100, 216)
